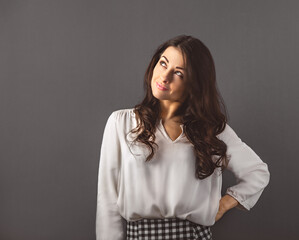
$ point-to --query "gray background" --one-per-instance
(66, 65)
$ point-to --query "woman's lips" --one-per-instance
(159, 86)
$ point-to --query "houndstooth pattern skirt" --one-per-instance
(168, 228)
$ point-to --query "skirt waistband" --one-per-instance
(167, 228)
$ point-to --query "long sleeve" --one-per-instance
(108, 220)
(251, 173)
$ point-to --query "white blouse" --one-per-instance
(165, 186)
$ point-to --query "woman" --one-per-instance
(161, 161)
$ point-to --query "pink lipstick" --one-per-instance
(159, 86)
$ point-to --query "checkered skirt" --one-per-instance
(168, 228)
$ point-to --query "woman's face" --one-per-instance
(168, 81)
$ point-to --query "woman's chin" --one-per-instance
(161, 96)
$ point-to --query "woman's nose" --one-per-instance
(165, 76)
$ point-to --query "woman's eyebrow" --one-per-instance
(176, 66)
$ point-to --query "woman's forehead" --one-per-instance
(174, 56)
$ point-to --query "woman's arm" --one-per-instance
(251, 172)
(227, 202)
(108, 220)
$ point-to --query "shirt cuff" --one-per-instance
(242, 205)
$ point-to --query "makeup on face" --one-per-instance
(160, 87)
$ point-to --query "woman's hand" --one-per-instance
(226, 203)
(220, 212)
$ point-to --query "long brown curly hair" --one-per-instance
(203, 112)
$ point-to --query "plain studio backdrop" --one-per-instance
(66, 65)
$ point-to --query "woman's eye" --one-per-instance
(180, 74)
(161, 62)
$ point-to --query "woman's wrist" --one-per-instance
(227, 202)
